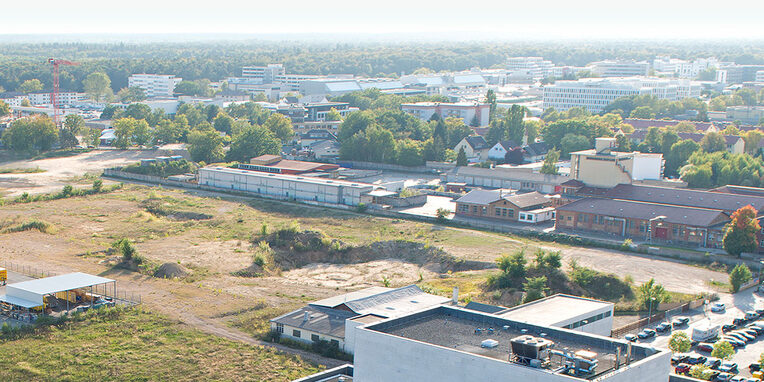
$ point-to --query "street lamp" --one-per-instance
(650, 310)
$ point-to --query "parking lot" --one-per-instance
(736, 306)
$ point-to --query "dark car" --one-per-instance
(705, 347)
(756, 328)
(680, 321)
(646, 333)
(734, 342)
(713, 363)
(663, 327)
(630, 338)
(754, 367)
(751, 332)
(739, 321)
(678, 358)
(728, 367)
(682, 368)
(723, 377)
(728, 327)
(695, 359)
(760, 312)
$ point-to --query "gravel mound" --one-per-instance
(171, 271)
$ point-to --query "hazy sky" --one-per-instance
(488, 18)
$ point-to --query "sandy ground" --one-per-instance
(358, 275)
(62, 171)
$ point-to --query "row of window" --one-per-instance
(508, 212)
(298, 334)
(587, 321)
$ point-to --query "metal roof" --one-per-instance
(396, 302)
(60, 283)
(685, 197)
(691, 216)
(330, 322)
(334, 301)
(19, 301)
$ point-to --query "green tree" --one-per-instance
(461, 158)
(333, 115)
(29, 86)
(685, 127)
(251, 142)
(35, 133)
(67, 139)
(572, 143)
(125, 130)
(98, 86)
(550, 162)
(652, 293)
(701, 372)
(223, 124)
(623, 143)
(131, 94)
(739, 276)
(740, 232)
(679, 342)
(752, 139)
(142, 134)
(535, 288)
(513, 265)
(137, 111)
(713, 142)
(4, 109)
(642, 112)
(74, 123)
(723, 350)
(490, 98)
(205, 145)
(280, 126)
(678, 155)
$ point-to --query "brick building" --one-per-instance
(532, 207)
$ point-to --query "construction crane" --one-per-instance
(54, 95)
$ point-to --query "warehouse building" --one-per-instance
(448, 343)
(531, 207)
(283, 186)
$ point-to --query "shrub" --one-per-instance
(97, 185)
(739, 276)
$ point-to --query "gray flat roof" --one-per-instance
(554, 309)
(60, 283)
(295, 178)
(333, 301)
(19, 301)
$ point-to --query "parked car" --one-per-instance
(728, 327)
(751, 315)
(705, 347)
(713, 363)
(738, 378)
(728, 367)
(752, 332)
(748, 337)
(680, 321)
(678, 358)
(682, 368)
(646, 333)
(695, 359)
(663, 327)
(630, 338)
(723, 377)
(756, 328)
(736, 335)
(735, 342)
(754, 367)
(718, 307)
(760, 312)
(739, 321)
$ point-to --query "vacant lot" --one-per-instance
(139, 346)
(214, 236)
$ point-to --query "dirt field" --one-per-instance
(212, 299)
(66, 170)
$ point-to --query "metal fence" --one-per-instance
(120, 297)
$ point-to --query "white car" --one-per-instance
(718, 307)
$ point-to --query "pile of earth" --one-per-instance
(159, 207)
(171, 271)
(296, 249)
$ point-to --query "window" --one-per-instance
(280, 328)
(314, 337)
(510, 212)
(335, 343)
(474, 209)
(498, 211)
(675, 230)
(584, 218)
(296, 333)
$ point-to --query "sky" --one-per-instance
(424, 19)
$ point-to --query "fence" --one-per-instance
(120, 297)
(657, 317)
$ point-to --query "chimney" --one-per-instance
(307, 316)
(455, 296)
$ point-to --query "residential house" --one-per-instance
(499, 151)
(735, 144)
(475, 147)
(532, 207)
(535, 152)
(644, 124)
(325, 149)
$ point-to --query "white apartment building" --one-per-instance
(266, 74)
(154, 85)
(64, 98)
(465, 111)
(292, 82)
(612, 68)
(594, 94)
(536, 67)
(682, 68)
(760, 76)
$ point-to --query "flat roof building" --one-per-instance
(466, 111)
(448, 344)
(603, 167)
(154, 85)
(565, 311)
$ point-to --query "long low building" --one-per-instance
(285, 186)
(523, 179)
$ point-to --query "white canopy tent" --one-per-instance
(29, 294)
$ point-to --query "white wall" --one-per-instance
(380, 357)
(647, 167)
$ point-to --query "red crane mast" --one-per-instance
(54, 95)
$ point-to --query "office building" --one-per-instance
(263, 74)
(618, 68)
(603, 167)
(472, 113)
(536, 67)
(752, 115)
(64, 98)
(154, 85)
(594, 94)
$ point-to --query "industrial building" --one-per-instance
(524, 179)
(333, 319)
(531, 207)
(603, 167)
(471, 113)
(276, 165)
(283, 186)
(448, 343)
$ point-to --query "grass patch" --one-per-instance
(25, 170)
(133, 345)
(61, 153)
(34, 224)
(255, 321)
